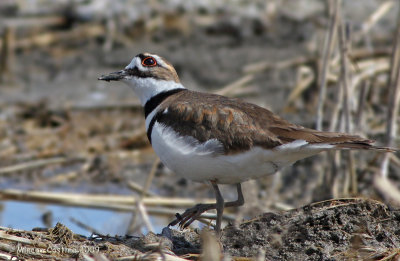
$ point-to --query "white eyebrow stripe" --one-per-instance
(160, 61)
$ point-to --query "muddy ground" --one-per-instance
(346, 229)
(52, 106)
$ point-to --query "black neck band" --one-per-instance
(156, 100)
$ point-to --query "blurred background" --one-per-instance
(74, 149)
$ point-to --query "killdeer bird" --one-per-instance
(208, 137)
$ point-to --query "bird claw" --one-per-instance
(190, 215)
(176, 220)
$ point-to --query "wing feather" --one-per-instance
(239, 125)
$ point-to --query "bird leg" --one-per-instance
(191, 214)
(219, 206)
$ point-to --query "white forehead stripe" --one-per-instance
(134, 63)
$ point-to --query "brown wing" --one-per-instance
(239, 125)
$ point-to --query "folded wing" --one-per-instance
(239, 126)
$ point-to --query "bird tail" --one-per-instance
(337, 140)
(344, 141)
(362, 145)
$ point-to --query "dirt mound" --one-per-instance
(328, 230)
(343, 229)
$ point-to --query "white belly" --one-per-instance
(203, 162)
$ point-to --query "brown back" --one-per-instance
(239, 125)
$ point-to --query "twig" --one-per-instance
(5, 236)
(361, 104)
(95, 201)
(344, 44)
(7, 55)
(42, 40)
(328, 48)
(33, 164)
(140, 206)
(6, 247)
(236, 84)
(333, 126)
(37, 21)
(363, 53)
(109, 202)
(391, 255)
(136, 187)
(262, 66)
(111, 29)
(4, 256)
(139, 203)
(368, 69)
(14, 230)
(394, 95)
(150, 177)
(344, 72)
(62, 178)
(84, 226)
(144, 214)
(381, 181)
(394, 159)
(374, 18)
(305, 76)
(385, 186)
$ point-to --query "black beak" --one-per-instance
(115, 76)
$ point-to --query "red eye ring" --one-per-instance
(149, 62)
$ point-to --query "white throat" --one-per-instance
(146, 88)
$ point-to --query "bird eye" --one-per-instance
(149, 61)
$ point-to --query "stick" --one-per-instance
(139, 203)
(374, 18)
(95, 201)
(22, 240)
(381, 181)
(344, 45)
(84, 226)
(262, 66)
(7, 55)
(30, 22)
(236, 84)
(305, 76)
(136, 187)
(45, 39)
(328, 48)
(33, 164)
(344, 72)
(394, 95)
(361, 104)
(369, 69)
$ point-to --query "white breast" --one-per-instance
(204, 161)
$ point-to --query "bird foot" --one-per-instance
(190, 215)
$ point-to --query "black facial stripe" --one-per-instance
(157, 99)
(146, 74)
(135, 72)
